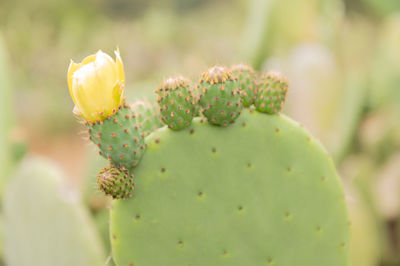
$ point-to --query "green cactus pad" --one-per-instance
(176, 101)
(259, 192)
(45, 223)
(272, 91)
(119, 138)
(220, 96)
(116, 182)
(247, 79)
(147, 116)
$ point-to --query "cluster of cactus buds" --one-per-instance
(222, 94)
(97, 85)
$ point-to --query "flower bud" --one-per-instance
(96, 85)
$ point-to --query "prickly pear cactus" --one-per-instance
(236, 187)
(45, 224)
(249, 194)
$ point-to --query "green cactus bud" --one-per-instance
(119, 138)
(247, 79)
(147, 116)
(116, 182)
(176, 101)
(220, 96)
(272, 91)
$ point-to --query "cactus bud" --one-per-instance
(177, 102)
(96, 86)
(116, 182)
(220, 96)
(247, 81)
(272, 91)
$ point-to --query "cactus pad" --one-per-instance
(45, 223)
(147, 116)
(259, 192)
(116, 182)
(220, 96)
(176, 102)
(247, 79)
(272, 92)
(119, 138)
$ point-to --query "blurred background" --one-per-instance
(342, 59)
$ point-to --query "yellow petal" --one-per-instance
(96, 85)
(71, 69)
(120, 66)
(89, 59)
(117, 94)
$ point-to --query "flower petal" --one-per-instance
(120, 66)
(71, 69)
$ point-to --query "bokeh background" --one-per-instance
(342, 59)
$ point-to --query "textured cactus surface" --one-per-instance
(119, 138)
(147, 116)
(246, 78)
(220, 96)
(272, 92)
(116, 182)
(176, 101)
(44, 222)
(259, 192)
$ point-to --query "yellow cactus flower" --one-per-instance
(97, 85)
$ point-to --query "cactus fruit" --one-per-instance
(272, 91)
(118, 138)
(234, 201)
(246, 77)
(176, 101)
(220, 96)
(116, 182)
(45, 223)
(147, 116)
